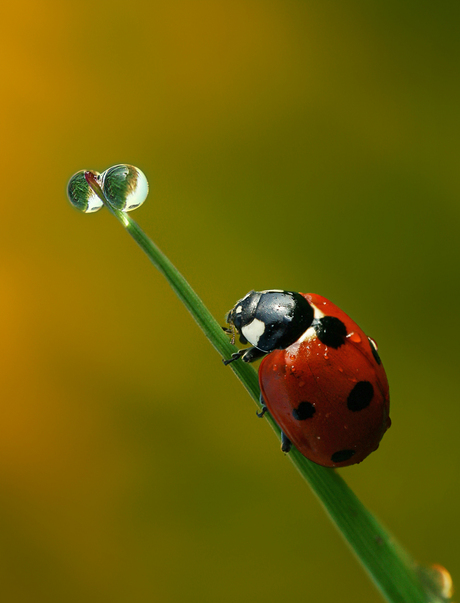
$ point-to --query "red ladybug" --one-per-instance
(321, 378)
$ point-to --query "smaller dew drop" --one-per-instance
(275, 367)
(340, 369)
(81, 195)
(443, 580)
(355, 337)
(374, 343)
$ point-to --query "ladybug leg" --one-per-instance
(286, 443)
(264, 408)
(253, 354)
(234, 357)
(248, 355)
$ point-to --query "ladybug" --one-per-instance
(321, 377)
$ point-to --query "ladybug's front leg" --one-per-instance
(234, 357)
(248, 355)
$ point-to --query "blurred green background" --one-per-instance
(292, 144)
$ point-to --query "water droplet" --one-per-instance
(81, 195)
(444, 580)
(125, 187)
(355, 337)
(374, 343)
(437, 580)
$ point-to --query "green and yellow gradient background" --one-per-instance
(292, 144)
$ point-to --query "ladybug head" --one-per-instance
(271, 320)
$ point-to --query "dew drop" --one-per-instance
(81, 195)
(444, 580)
(125, 187)
(355, 337)
(374, 343)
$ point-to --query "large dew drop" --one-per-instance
(125, 187)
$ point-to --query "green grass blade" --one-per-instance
(394, 572)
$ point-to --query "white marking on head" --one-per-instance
(254, 331)
(238, 310)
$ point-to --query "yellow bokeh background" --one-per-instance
(293, 144)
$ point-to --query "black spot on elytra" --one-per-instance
(304, 411)
(360, 396)
(374, 351)
(342, 455)
(331, 331)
